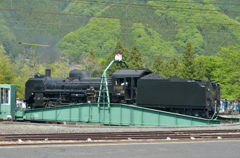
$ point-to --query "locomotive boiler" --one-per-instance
(140, 87)
(44, 91)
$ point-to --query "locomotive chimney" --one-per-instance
(48, 72)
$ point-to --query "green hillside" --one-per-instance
(6, 36)
(31, 21)
(156, 27)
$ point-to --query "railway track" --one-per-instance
(119, 136)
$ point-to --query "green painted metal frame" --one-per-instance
(8, 109)
(116, 114)
(103, 91)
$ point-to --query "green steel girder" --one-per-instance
(116, 114)
(103, 91)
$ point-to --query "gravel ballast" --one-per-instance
(37, 128)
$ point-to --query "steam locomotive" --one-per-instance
(141, 87)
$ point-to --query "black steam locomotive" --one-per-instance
(130, 86)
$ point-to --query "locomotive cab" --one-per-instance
(124, 89)
(125, 84)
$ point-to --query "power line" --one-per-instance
(50, 23)
(179, 57)
(29, 22)
(151, 0)
(53, 23)
(176, 27)
(120, 24)
(108, 17)
(203, 35)
(194, 2)
(130, 5)
(24, 28)
(163, 27)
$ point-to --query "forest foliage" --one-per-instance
(222, 67)
(159, 30)
(197, 41)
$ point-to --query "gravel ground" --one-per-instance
(34, 128)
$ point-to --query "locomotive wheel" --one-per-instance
(207, 115)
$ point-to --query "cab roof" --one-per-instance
(122, 73)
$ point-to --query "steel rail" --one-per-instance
(160, 135)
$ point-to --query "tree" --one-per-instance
(227, 72)
(210, 64)
(188, 69)
(171, 68)
(23, 73)
(24, 70)
(12, 74)
(91, 63)
(168, 70)
(60, 68)
(158, 66)
(6, 72)
(135, 58)
(1, 80)
(200, 69)
(175, 65)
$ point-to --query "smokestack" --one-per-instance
(48, 72)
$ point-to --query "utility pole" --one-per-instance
(228, 28)
(59, 24)
(230, 20)
(84, 18)
(151, 26)
(126, 12)
(11, 4)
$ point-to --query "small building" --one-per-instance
(7, 101)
